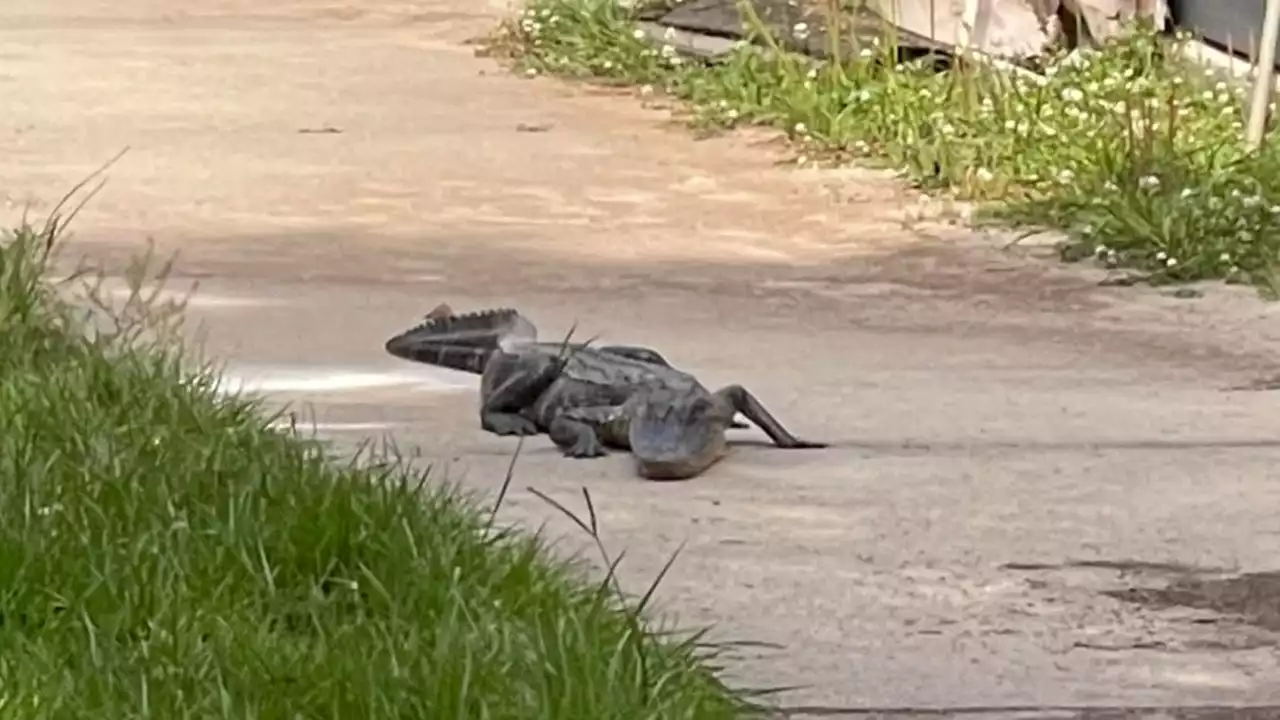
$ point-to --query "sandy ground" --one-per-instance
(331, 172)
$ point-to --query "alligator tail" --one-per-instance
(461, 342)
(466, 358)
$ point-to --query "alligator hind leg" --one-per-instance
(737, 398)
(511, 384)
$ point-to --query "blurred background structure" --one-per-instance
(1020, 28)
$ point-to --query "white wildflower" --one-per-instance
(984, 175)
(1149, 182)
(638, 34)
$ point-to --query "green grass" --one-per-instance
(166, 553)
(1136, 154)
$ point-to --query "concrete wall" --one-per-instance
(1228, 24)
(1015, 27)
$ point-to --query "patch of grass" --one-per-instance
(165, 552)
(1135, 153)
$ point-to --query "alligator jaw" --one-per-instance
(671, 467)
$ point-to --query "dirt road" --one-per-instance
(330, 172)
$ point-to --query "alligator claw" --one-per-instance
(585, 449)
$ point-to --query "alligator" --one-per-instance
(585, 398)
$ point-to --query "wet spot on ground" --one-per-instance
(1252, 597)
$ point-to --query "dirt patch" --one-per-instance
(1253, 597)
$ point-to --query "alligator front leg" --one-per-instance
(584, 432)
(739, 400)
(510, 385)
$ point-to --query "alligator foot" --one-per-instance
(508, 424)
(575, 439)
(585, 450)
(737, 397)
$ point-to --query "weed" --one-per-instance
(1136, 154)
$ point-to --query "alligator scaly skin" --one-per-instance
(589, 398)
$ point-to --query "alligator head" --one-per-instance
(676, 434)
